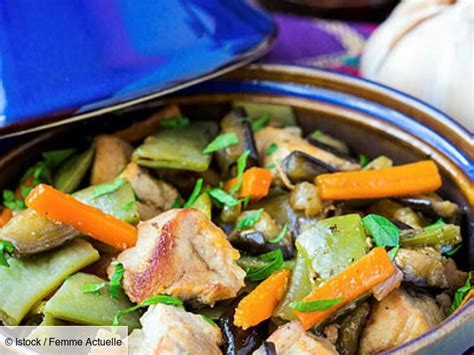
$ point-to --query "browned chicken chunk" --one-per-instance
(288, 140)
(181, 253)
(398, 318)
(155, 196)
(291, 338)
(112, 154)
(172, 330)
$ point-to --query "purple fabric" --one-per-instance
(333, 45)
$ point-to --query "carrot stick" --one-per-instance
(64, 208)
(400, 180)
(350, 283)
(255, 183)
(5, 216)
(260, 304)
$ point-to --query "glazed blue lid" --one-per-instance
(66, 60)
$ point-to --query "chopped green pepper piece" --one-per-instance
(448, 234)
(300, 286)
(112, 203)
(69, 303)
(179, 148)
(204, 204)
(333, 244)
(70, 174)
(279, 113)
(27, 281)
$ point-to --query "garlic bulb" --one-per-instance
(426, 48)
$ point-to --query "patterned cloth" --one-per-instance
(333, 45)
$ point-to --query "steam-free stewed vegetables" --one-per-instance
(282, 236)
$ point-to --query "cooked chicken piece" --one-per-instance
(112, 154)
(156, 196)
(181, 253)
(426, 267)
(398, 318)
(172, 330)
(288, 140)
(291, 338)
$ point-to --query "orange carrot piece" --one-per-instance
(64, 208)
(350, 283)
(260, 304)
(255, 183)
(400, 180)
(5, 216)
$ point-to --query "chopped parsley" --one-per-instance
(241, 165)
(10, 201)
(438, 224)
(115, 280)
(5, 248)
(165, 299)
(258, 123)
(249, 219)
(109, 187)
(384, 232)
(221, 141)
(275, 262)
(280, 236)
(363, 160)
(461, 293)
(272, 148)
(195, 194)
(92, 287)
(223, 197)
(175, 122)
(317, 133)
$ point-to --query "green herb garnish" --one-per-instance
(363, 160)
(258, 123)
(271, 166)
(393, 252)
(241, 165)
(10, 201)
(109, 187)
(128, 206)
(5, 248)
(384, 232)
(115, 280)
(453, 251)
(165, 299)
(175, 122)
(317, 133)
(275, 262)
(272, 148)
(208, 320)
(223, 197)
(220, 142)
(249, 219)
(313, 306)
(195, 194)
(461, 293)
(280, 236)
(176, 203)
(438, 224)
(92, 287)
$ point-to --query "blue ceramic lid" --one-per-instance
(67, 60)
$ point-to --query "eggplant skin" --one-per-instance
(31, 233)
(350, 330)
(235, 122)
(236, 340)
